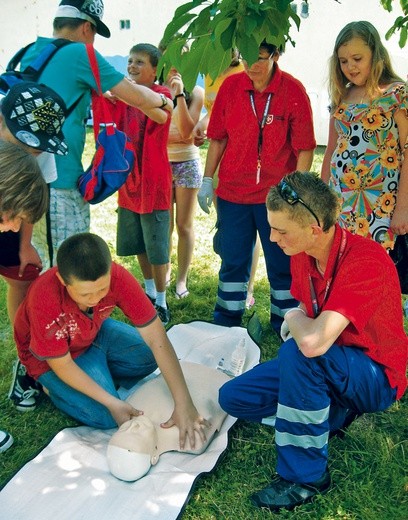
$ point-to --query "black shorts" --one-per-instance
(9, 248)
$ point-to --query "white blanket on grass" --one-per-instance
(70, 478)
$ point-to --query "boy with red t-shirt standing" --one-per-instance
(145, 199)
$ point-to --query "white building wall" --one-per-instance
(22, 20)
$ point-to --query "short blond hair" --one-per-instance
(321, 199)
(23, 191)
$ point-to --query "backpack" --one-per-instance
(12, 76)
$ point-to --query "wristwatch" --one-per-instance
(183, 94)
(164, 100)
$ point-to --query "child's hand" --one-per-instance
(110, 97)
(176, 84)
(122, 411)
(189, 422)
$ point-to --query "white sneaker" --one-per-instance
(6, 440)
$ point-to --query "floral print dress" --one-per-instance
(365, 165)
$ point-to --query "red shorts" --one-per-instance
(31, 272)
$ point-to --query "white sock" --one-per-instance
(150, 288)
(161, 299)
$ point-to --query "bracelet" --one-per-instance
(180, 95)
(293, 309)
(164, 100)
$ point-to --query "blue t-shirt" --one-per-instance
(69, 73)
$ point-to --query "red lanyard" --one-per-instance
(261, 125)
(315, 304)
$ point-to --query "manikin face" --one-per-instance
(7, 224)
(87, 294)
(289, 235)
(140, 69)
(355, 58)
(133, 449)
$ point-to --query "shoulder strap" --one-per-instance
(18, 56)
(104, 113)
(36, 67)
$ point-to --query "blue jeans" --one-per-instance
(305, 399)
(118, 356)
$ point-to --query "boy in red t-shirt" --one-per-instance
(69, 344)
(145, 199)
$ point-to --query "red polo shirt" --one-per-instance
(365, 289)
(49, 324)
(288, 129)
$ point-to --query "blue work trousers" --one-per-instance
(234, 241)
(305, 399)
(118, 356)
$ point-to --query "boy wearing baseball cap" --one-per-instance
(69, 73)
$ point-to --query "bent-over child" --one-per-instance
(80, 355)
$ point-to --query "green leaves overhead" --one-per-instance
(212, 28)
(221, 25)
(400, 24)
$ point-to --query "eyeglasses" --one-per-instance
(261, 58)
(290, 196)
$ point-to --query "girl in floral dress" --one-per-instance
(366, 159)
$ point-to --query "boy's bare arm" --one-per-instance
(185, 414)
(141, 97)
(27, 252)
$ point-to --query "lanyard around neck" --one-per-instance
(315, 304)
(261, 125)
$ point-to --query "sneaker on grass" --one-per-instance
(24, 389)
(163, 313)
(6, 440)
(282, 494)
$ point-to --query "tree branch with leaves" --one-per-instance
(212, 28)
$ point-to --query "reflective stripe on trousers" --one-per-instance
(237, 226)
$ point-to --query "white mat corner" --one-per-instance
(70, 478)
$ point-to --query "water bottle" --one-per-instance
(238, 358)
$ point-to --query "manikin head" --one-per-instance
(139, 442)
(133, 449)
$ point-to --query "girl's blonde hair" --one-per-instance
(381, 68)
(23, 191)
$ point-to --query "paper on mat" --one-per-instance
(70, 478)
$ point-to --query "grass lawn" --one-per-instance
(369, 466)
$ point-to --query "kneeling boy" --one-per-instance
(69, 344)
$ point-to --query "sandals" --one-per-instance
(183, 294)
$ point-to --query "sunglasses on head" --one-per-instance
(290, 196)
